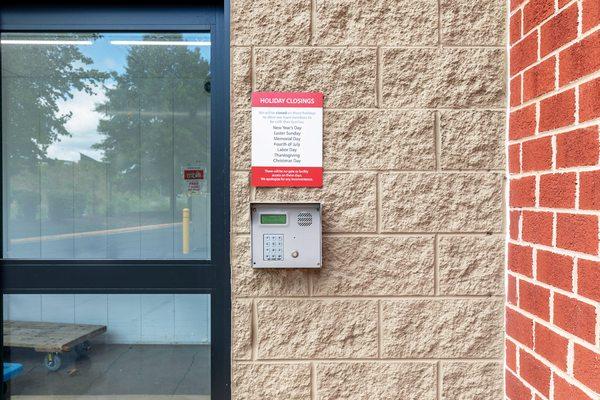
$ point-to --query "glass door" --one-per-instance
(106, 139)
(114, 224)
(108, 346)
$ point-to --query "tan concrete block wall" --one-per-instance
(408, 304)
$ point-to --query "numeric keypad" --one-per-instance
(273, 247)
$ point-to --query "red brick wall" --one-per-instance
(553, 279)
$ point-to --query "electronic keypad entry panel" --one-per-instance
(286, 235)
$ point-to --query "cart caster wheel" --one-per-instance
(52, 362)
(83, 349)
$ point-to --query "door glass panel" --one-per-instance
(106, 145)
(108, 346)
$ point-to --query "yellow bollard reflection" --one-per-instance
(186, 230)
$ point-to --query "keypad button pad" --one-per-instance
(273, 247)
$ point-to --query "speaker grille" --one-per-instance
(304, 219)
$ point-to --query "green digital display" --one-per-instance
(273, 219)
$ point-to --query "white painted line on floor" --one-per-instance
(93, 233)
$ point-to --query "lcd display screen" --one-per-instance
(273, 219)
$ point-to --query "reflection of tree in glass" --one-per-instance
(38, 77)
(35, 79)
(155, 121)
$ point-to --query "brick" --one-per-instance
(589, 190)
(384, 23)
(259, 22)
(557, 111)
(537, 227)
(469, 140)
(359, 138)
(539, 79)
(435, 202)
(575, 316)
(591, 14)
(563, 390)
(468, 380)
(515, 389)
(554, 269)
(514, 158)
(241, 329)
(580, 59)
(534, 372)
(589, 100)
(515, 216)
(520, 259)
(536, 11)
(524, 53)
(241, 77)
(270, 381)
(446, 328)
(515, 27)
(306, 328)
(534, 299)
(400, 266)
(551, 346)
(510, 351)
(522, 122)
(558, 31)
(342, 381)
(519, 327)
(515, 91)
(468, 265)
(511, 290)
(241, 139)
(577, 232)
(515, 3)
(558, 190)
(588, 279)
(522, 192)
(462, 25)
(577, 148)
(587, 367)
(439, 77)
(537, 154)
(240, 196)
(347, 75)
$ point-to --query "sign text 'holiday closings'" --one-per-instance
(287, 139)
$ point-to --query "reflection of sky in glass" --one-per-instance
(106, 57)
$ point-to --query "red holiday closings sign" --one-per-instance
(287, 139)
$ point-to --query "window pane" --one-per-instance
(138, 346)
(106, 141)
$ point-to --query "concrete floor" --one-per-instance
(111, 372)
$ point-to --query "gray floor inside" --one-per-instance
(117, 370)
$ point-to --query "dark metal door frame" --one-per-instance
(176, 276)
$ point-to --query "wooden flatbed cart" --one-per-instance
(51, 338)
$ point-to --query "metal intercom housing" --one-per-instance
(285, 235)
